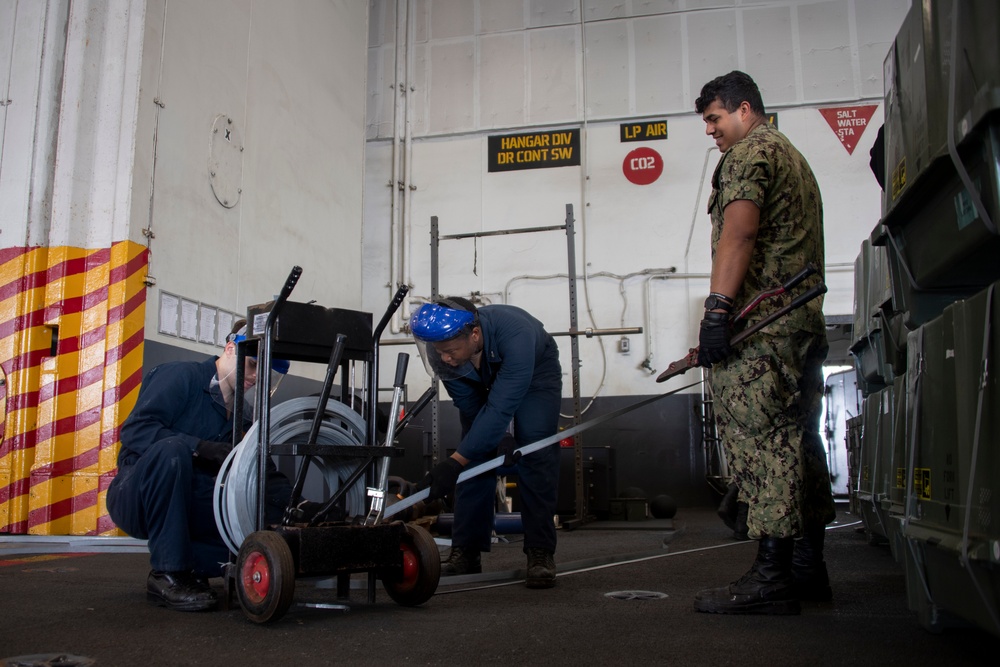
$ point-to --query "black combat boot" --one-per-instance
(812, 582)
(182, 591)
(768, 588)
(727, 508)
(733, 513)
(740, 528)
(541, 568)
(461, 560)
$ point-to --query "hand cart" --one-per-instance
(346, 533)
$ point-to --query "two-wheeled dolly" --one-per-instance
(345, 533)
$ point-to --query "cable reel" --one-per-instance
(235, 498)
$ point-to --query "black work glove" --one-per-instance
(713, 340)
(506, 450)
(442, 478)
(211, 454)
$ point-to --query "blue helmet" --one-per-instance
(435, 322)
(280, 366)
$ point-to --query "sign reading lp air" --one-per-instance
(642, 166)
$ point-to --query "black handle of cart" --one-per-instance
(394, 304)
(264, 388)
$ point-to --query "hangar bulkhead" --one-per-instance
(327, 170)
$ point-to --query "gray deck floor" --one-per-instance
(93, 605)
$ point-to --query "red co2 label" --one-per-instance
(642, 166)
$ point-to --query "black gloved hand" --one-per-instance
(442, 478)
(211, 454)
(506, 450)
(713, 340)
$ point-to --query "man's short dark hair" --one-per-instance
(239, 329)
(731, 90)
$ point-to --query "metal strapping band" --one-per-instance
(493, 464)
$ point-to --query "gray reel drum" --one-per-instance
(235, 498)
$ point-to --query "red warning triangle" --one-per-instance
(849, 123)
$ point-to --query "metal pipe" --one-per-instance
(395, 223)
(406, 269)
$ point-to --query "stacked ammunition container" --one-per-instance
(925, 451)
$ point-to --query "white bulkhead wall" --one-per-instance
(289, 80)
(446, 74)
(108, 119)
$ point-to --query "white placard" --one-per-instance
(225, 320)
(168, 314)
(206, 324)
(189, 319)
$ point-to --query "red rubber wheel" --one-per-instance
(421, 572)
(265, 576)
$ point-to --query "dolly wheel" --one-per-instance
(421, 569)
(265, 576)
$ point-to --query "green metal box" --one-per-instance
(895, 459)
(855, 426)
(919, 105)
(862, 320)
(943, 241)
(951, 527)
(930, 473)
(977, 395)
(873, 475)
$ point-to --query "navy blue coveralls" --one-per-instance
(519, 378)
(159, 494)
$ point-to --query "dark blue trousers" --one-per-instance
(538, 483)
(165, 499)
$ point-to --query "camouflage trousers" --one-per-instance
(768, 401)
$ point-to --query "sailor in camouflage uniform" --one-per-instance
(767, 225)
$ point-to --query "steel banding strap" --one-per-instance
(493, 464)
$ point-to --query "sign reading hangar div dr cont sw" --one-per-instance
(535, 150)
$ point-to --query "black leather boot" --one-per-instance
(182, 591)
(740, 528)
(733, 513)
(812, 582)
(461, 561)
(727, 508)
(768, 588)
(541, 568)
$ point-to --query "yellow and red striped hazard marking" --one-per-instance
(71, 341)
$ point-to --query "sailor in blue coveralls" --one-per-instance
(498, 364)
(173, 443)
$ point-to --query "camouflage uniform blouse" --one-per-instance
(765, 168)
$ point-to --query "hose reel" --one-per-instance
(235, 498)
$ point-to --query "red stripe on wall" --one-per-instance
(77, 265)
(66, 425)
(23, 283)
(105, 524)
(116, 354)
(114, 394)
(25, 362)
(17, 528)
(21, 322)
(111, 356)
(66, 466)
(7, 254)
(18, 487)
(71, 383)
(62, 508)
(69, 267)
(123, 271)
(119, 313)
